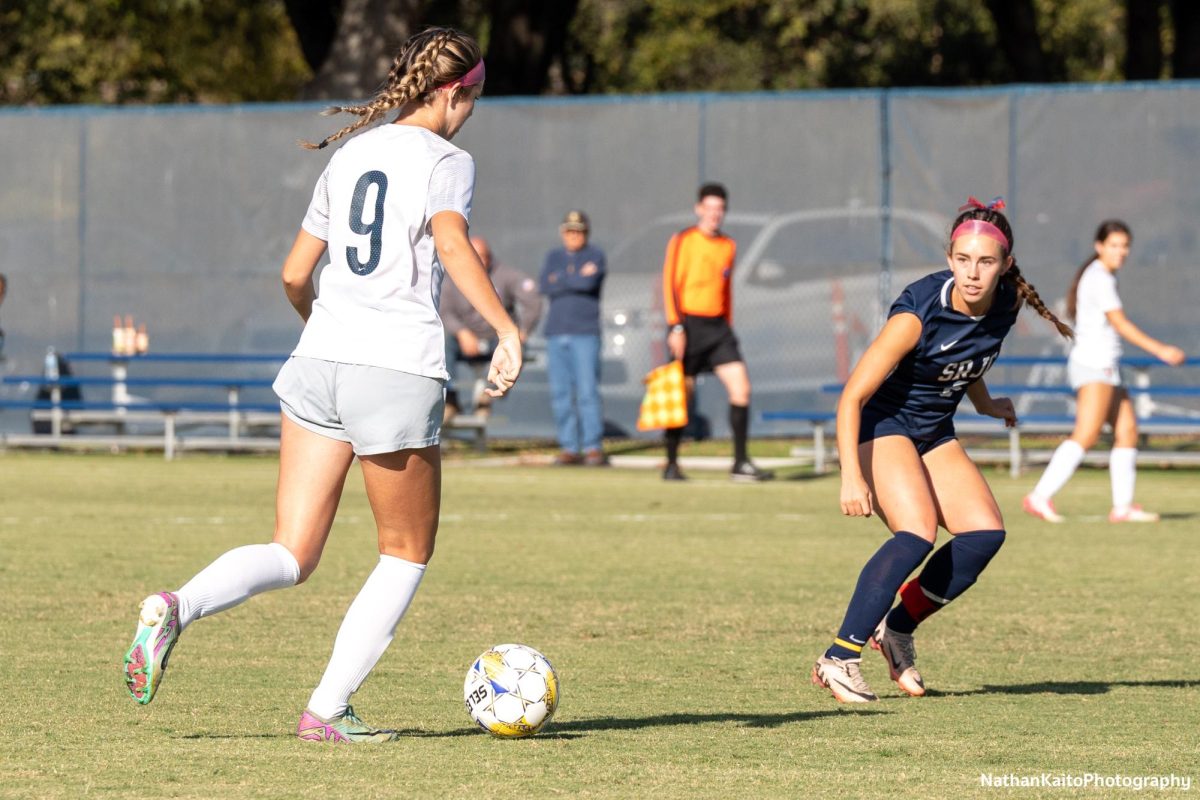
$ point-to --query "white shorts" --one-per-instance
(1082, 374)
(377, 410)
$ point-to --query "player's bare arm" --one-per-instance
(1131, 333)
(898, 337)
(298, 270)
(462, 263)
(988, 406)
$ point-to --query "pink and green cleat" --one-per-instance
(346, 729)
(157, 632)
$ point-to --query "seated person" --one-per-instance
(468, 336)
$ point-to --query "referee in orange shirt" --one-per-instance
(699, 306)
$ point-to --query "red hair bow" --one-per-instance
(997, 204)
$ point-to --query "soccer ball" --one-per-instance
(511, 691)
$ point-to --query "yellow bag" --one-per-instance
(665, 403)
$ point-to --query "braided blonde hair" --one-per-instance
(429, 59)
(1025, 291)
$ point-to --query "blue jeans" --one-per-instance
(573, 366)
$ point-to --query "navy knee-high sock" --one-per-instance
(953, 569)
(877, 585)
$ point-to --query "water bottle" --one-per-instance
(50, 371)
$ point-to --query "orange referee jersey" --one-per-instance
(697, 276)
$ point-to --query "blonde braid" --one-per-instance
(402, 86)
(1028, 294)
(418, 78)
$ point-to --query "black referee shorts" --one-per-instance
(710, 343)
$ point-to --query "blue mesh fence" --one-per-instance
(181, 216)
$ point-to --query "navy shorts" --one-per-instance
(710, 343)
(875, 425)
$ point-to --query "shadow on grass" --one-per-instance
(416, 733)
(1069, 687)
(1180, 515)
(669, 720)
(801, 474)
(577, 728)
(238, 736)
(572, 729)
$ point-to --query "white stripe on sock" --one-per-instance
(941, 601)
(366, 632)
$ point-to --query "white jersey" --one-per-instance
(1097, 343)
(377, 303)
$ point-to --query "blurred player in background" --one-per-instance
(469, 337)
(899, 454)
(698, 300)
(1094, 370)
(367, 377)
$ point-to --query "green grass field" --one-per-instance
(683, 621)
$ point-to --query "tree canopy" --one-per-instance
(147, 51)
(151, 51)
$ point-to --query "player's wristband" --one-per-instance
(677, 328)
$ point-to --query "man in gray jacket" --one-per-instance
(469, 338)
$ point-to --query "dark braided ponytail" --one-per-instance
(1026, 293)
(429, 59)
(1029, 295)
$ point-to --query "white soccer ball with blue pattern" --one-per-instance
(511, 691)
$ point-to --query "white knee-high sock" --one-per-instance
(1122, 470)
(235, 577)
(366, 632)
(1062, 466)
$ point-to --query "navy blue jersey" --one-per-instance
(954, 351)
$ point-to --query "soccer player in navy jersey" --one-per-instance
(899, 454)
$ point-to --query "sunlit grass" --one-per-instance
(683, 620)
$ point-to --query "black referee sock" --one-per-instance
(739, 423)
(673, 436)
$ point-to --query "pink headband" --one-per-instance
(977, 227)
(474, 76)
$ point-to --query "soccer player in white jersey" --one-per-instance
(1094, 371)
(367, 377)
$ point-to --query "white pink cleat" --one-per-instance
(1133, 513)
(1042, 508)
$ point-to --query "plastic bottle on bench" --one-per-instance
(50, 368)
(130, 337)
